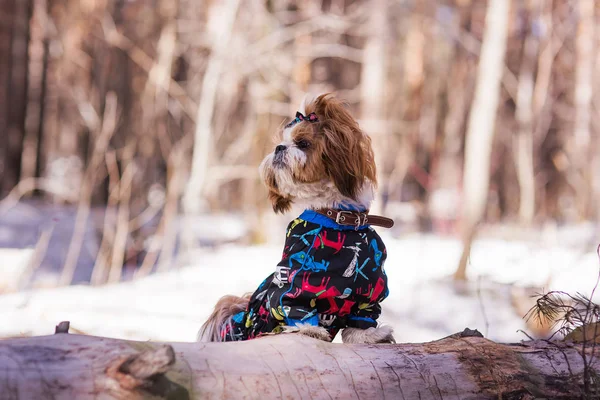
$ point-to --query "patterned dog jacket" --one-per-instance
(330, 275)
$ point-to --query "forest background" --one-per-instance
(131, 132)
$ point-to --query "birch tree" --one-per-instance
(222, 19)
(524, 136)
(480, 127)
(373, 81)
(580, 146)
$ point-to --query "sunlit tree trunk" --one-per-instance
(480, 128)
(523, 143)
(580, 147)
(291, 366)
(222, 17)
(67, 82)
(596, 142)
(372, 83)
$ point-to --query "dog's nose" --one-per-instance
(280, 148)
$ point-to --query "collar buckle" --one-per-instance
(342, 216)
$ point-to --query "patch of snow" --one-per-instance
(13, 264)
(217, 228)
(424, 304)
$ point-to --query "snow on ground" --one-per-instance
(13, 264)
(424, 304)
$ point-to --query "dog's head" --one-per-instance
(323, 159)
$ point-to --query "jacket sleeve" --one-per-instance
(365, 317)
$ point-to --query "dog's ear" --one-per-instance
(280, 203)
(347, 154)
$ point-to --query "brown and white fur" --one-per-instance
(322, 164)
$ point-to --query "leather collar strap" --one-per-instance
(355, 218)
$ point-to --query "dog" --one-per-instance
(331, 276)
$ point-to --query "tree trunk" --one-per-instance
(480, 129)
(7, 14)
(203, 135)
(524, 136)
(595, 161)
(35, 90)
(222, 32)
(580, 149)
(288, 366)
(372, 83)
(14, 37)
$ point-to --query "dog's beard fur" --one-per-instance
(323, 164)
(319, 194)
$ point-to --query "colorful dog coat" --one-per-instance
(330, 275)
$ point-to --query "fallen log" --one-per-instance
(288, 366)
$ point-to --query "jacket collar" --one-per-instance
(316, 218)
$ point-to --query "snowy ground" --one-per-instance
(423, 304)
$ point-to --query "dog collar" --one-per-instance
(314, 217)
(355, 218)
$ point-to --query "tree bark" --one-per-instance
(35, 89)
(372, 83)
(289, 366)
(524, 137)
(14, 37)
(203, 134)
(480, 129)
(580, 149)
(227, 13)
(7, 11)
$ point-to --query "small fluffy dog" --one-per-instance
(331, 275)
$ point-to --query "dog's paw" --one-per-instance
(316, 332)
(382, 334)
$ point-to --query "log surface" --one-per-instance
(287, 366)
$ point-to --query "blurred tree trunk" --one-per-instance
(412, 89)
(543, 99)
(36, 70)
(301, 72)
(373, 82)
(432, 138)
(595, 166)
(14, 38)
(523, 142)
(481, 125)
(6, 21)
(444, 204)
(580, 147)
(222, 19)
(67, 85)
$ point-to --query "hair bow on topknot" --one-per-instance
(312, 117)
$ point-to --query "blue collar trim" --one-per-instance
(316, 218)
(349, 207)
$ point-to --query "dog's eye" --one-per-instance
(303, 144)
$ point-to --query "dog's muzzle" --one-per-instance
(279, 158)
